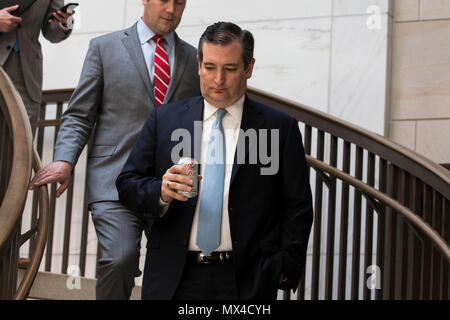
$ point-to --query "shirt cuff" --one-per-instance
(163, 207)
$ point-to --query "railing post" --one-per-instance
(368, 242)
(331, 221)
(317, 224)
(9, 259)
(343, 232)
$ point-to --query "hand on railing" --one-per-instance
(58, 171)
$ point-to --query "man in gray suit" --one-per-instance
(115, 95)
(20, 50)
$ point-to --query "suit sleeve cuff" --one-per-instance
(68, 26)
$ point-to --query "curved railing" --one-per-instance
(409, 265)
(38, 232)
(380, 202)
(381, 213)
(16, 160)
(379, 199)
(19, 163)
(15, 174)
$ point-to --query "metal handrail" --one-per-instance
(13, 202)
(41, 232)
(12, 205)
(402, 175)
(374, 194)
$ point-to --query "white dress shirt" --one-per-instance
(231, 123)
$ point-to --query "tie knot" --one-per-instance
(157, 38)
(220, 113)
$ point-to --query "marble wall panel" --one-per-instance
(205, 12)
(434, 9)
(406, 10)
(134, 10)
(421, 70)
(208, 11)
(358, 72)
(404, 133)
(63, 61)
(433, 138)
(292, 59)
(99, 15)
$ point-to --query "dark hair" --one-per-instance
(224, 33)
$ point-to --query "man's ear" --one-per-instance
(249, 70)
(199, 64)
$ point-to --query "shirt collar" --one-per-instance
(235, 110)
(145, 34)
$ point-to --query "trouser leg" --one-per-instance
(119, 235)
(13, 68)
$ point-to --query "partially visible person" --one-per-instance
(126, 74)
(20, 50)
(245, 234)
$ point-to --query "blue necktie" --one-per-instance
(16, 45)
(210, 214)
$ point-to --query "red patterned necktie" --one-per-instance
(161, 71)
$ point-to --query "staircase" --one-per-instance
(381, 227)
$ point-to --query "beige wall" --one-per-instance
(420, 96)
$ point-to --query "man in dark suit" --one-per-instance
(126, 74)
(21, 54)
(245, 235)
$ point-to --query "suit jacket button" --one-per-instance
(8, 47)
(184, 242)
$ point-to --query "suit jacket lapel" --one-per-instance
(251, 119)
(131, 43)
(191, 116)
(179, 66)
